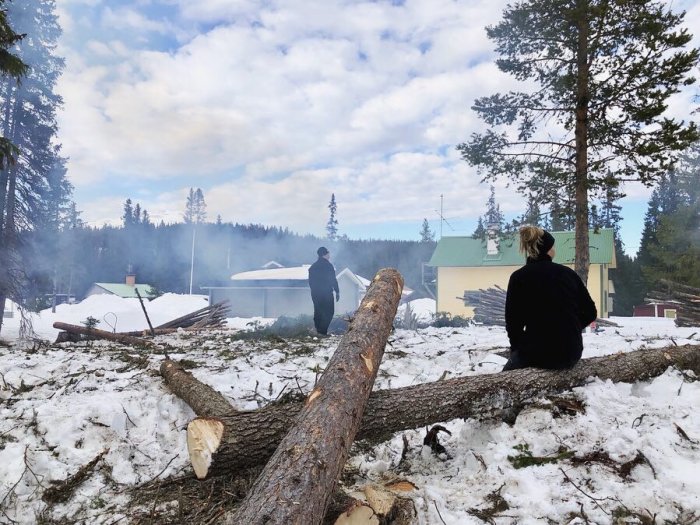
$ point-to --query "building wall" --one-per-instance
(453, 281)
(290, 301)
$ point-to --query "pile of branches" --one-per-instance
(489, 305)
(685, 297)
(212, 316)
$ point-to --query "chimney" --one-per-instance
(130, 276)
(491, 239)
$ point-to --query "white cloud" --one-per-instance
(294, 100)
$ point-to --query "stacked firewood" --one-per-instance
(489, 305)
(686, 297)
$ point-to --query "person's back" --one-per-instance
(323, 282)
(547, 307)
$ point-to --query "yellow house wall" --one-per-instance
(453, 281)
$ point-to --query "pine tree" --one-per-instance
(128, 216)
(532, 212)
(480, 231)
(200, 207)
(188, 216)
(332, 225)
(670, 247)
(33, 187)
(195, 207)
(493, 218)
(426, 234)
(605, 71)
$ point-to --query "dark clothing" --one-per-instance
(322, 282)
(547, 307)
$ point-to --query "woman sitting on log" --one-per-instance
(547, 307)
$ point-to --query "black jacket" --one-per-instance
(547, 307)
(322, 277)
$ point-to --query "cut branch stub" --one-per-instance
(203, 439)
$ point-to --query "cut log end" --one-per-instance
(203, 440)
(358, 515)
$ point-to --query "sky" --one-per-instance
(271, 106)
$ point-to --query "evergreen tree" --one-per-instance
(190, 205)
(480, 231)
(670, 247)
(195, 207)
(493, 218)
(426, 234)
(128, 216)
(532, 212)
(332, 225)
(605, 71)
(200, 207)
(33, 187)
(10, 66)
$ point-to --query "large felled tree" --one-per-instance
(604, 71)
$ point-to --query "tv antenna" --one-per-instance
(442, 217)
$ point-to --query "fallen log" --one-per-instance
(246, 439)
(297, 483)
(203, 399)
(101, 334)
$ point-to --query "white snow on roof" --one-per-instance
(298, 273)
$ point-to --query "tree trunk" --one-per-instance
(246, 439)
(582, 257)
(297, 483)
(101, 334)
(203, 399)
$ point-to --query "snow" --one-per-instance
(61, 405)
(295, 273)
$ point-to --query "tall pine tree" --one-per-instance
(604, 72)
(332, 224)
(426, 234)
(33, 187)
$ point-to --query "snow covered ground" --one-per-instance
(62, 405)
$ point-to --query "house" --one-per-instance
(464, 264)
(276, 291)
(656, 309)
(125, 290)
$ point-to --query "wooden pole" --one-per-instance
(153, 333)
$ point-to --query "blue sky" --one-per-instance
(270, 106)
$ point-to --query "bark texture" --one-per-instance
(203, 399)
(249, 438)
(298, 481)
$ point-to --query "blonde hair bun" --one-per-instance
(530, 240)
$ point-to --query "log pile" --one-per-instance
(489, 305)
(686, 297)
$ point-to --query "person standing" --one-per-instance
(547, 307)
(322, 282)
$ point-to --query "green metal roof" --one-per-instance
(126, 290)
(466, 251)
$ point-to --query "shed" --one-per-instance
(282, 291)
